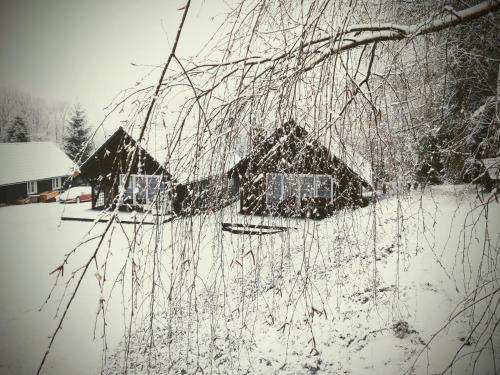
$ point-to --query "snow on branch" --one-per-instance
(371, 33)
(363, 34)
(434, 25)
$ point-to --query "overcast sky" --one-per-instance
(80, 51)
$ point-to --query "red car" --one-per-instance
(76, 195)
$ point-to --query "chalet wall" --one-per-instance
(289, 151)
(9, 193)
(44, 185)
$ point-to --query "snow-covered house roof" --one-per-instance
(28, 161)
(492, 167)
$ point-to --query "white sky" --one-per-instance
(80, 51)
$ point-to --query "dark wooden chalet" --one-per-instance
(291, 174)
(30, 168)
(107, 167)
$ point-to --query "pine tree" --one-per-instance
(77, 144)
(18, 131)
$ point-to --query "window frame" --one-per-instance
(298, 178)
(34, 185)
(56, 183)
(133, 184)
(270, 190)
(141, 189)
(152, 192)
(316, 183)
(301, 184)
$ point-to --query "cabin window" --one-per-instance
(154, 183)
(141, 189)
(307, 186)
(274, 187)
(324, 187)
(291, 188)
(32, 187)
(128, 196)
(56, 183)
(283, 186)
(277, 186)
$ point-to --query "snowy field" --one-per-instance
(34, 241)
(361, 292)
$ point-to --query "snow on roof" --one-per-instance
(492, 166)
(28, 161)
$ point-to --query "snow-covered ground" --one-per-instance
(33, 243)
(322, 297)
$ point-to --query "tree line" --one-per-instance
(25, 119)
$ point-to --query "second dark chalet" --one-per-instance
(292, 174)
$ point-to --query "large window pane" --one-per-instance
(323, 186)
(307, 186)
(140, 189)
(127, 196)
(273, 191)
(277, 187)
(269, 187)
(291, 186)
(153, 186)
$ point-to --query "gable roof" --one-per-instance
(350, 159)
(28, 161)
(120, 141)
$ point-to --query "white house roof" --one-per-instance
(492, 166)
(27, 161)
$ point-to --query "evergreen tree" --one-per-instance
(77, 143)
(18, 131)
